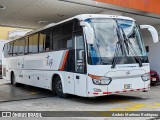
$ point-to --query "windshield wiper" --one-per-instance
(129, 46)
(119, 44)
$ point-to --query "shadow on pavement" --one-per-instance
(11, 93)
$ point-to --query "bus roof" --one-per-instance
(81, 17)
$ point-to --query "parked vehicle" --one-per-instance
(154, 77)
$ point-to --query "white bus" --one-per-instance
(88, 55)
(2, 42)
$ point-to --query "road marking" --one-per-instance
(154, 105)
(116, 109)
(132, 106)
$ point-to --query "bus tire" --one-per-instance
(13, 81)
(53, 89)
(59, 88)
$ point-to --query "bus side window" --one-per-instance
(35, 43)
(30, 44)
(57, 37)
(67, 30)
(47, 43)
(62, 36)
(45, 40)
(21, 46)
(26, 46)
(11, 49)
(6, 50)
(41, 42)
(15, 48)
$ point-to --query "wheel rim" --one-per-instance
(59, 87)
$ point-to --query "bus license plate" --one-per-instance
(127, 86)
(153, 79)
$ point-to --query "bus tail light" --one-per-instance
(145, 77)
(98, 80)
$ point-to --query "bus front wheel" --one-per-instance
(59, 88)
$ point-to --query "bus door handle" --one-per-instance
(77, 76)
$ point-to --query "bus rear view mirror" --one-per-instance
(152, 30)
(81, 54)
(88, 32)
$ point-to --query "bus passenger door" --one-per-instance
(80, 65)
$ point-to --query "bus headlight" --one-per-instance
(145, 77)
(98, 80)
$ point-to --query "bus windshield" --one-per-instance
(108, 33)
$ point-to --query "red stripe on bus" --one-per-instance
(138, 89)
(64, 61)
(95, 93)
(117, 92)
(107, 92)
(131, 90)
(125, 91)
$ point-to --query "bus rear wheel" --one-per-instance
(59, 88)
(13, 81)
